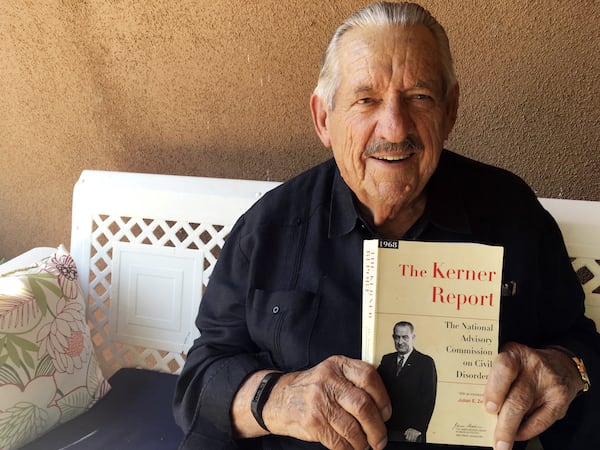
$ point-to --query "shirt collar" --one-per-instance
(445, 209)
(406, 355)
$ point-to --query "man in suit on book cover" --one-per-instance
(411, 380)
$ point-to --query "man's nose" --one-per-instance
(395, 122)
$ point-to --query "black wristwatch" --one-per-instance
(262, 395)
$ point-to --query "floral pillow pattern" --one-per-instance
(48, 369)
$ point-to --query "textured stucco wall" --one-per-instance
(221, 88)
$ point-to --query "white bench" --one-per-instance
(167, 231)
(579, 222)
(145, 246)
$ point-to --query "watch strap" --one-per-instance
(579, 365)
(262, 395)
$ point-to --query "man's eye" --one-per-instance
(422, 97)
(365, 101)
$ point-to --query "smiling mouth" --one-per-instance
(393, 158)
(394, 152)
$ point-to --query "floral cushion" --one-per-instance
(48, 369)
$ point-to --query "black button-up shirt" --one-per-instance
(286, 291)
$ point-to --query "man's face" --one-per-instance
(390, 92)
(403, 339)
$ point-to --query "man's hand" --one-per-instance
(529, 389)
(341, 403)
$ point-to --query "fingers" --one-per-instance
(340, 403)
(510, 408)
(366, 414)
(511, 415)
(504, 372)
(365, 377)
(364, 400)
(344, 431)
(529, 389)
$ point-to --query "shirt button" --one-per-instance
(275, 309)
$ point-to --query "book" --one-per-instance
(442, 300)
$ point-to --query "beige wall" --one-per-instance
(221, 88)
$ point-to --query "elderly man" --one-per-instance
(277, 364)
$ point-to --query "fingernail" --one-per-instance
(382, 444)
(387, 412)
(501, 445)
(491, 407)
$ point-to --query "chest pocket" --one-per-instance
(282, 323)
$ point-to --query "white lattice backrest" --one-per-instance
(145, 246)
(579, 222)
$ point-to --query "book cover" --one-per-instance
(430, 326)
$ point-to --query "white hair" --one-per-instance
(382, 14)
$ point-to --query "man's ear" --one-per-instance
(451, 109)
(320, 112)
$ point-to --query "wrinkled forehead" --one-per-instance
(408, 54)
